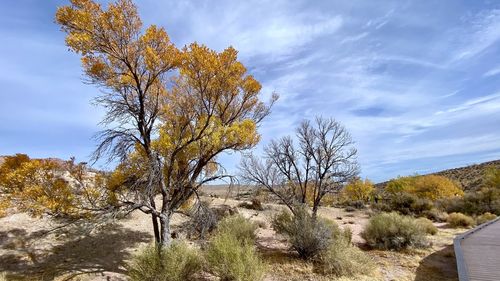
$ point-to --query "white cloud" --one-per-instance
(492, 72)
(486, 32)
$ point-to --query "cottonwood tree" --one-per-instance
(170, 112)
(321, 162)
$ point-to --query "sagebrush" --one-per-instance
(239, 227)
(231, 260)
(486, 217)
(306, 234)
(460, 220)
(394, 231)
(176, 262)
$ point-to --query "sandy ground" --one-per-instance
(27, 253)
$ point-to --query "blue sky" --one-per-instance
(417, 83)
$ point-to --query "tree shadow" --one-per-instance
(438, 266)
(99, 252)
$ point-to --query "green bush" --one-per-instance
(308, 236)
(394, 231)
(409, 204)
(427, 226)
(239, 227)
(473, 203)
(460, 220)
(486, 217)
(231, 260)
(177, 262)
(343, 259)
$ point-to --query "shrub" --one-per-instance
(407, 204)
(400, 184)
(473, 203)
(486, 217)
(343, 259)
(394, 231)
(350, 209)
(358, 204)
(460, 220)
(203, 221)
(177, 262)
(308, 236)
(239, 227)
(230, 259)
(435, 187)
(359, 190)
(256, 204)
(435, 215)
(427, 226)
(381, 207)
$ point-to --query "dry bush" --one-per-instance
(427, 226)
(394, 231)
(256, 204)
(486, 217)
(239, 227)
(343, 259)
(203, 220)
(460, 220)
(231, 259)
(435, 215)
(350, 209)
(177, 262)
(306, 235)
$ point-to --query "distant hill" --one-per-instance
(470, 177)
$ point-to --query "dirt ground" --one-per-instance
(28, 253)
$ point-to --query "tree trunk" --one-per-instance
(165, 230)
(314, 211)
(156, 229)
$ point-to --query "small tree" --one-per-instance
(322, 162)
(359, 190)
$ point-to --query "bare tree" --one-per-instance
(322, 162)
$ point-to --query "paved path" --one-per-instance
(478, 253)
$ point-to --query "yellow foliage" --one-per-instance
(42, 186)
(111, 44)
(400, 184)
(435, 187)
(359, 190)
(180, 123)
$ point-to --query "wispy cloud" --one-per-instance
(492, 72)
(486, 32)
(416, 84)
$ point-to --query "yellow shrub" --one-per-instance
(435, 187)
(400, 184)
(359, 190)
